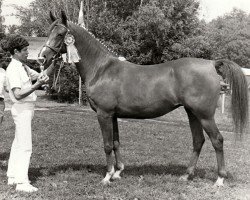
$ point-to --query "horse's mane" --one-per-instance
(92, 40)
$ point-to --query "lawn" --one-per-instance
(68, 160)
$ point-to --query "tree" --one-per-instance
(13, 29)
(128, 7)
(2, 27)
(230, 37)
(35, 19)
(4, 56)
(152, 33)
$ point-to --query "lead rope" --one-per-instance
(56, 78)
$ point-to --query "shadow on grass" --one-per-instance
(130, 170)
(4, 156)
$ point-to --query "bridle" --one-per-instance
(58, 55)
(55, 49)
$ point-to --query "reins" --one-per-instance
(56, 78)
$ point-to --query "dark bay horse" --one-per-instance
(120, 89)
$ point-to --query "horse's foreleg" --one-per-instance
(106, 124)
(198, 141)
(217, 142)
(119, 163)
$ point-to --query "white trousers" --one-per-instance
(21, 149)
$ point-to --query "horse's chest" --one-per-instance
(102, 97)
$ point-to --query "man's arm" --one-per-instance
(5, 88)
(22, 93)
(34, 74)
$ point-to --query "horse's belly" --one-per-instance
(145, 111)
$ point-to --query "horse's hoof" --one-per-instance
(219, 182)
(105, 182)
(184, 178)
(116, 176)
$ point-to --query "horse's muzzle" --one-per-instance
(41, 60)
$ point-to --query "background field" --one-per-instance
(68, 160)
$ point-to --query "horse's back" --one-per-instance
(191, 82)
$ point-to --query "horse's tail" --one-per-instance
(234, 76)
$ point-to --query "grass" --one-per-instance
(68, 160)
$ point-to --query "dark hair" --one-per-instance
(13, 42)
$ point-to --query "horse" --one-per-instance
(117, 88)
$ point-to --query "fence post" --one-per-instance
(80, 22)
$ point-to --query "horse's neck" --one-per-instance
(93, 54)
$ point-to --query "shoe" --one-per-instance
(12, 181)
(26, 187)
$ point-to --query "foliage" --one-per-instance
(35, 19)
(150, 33)
(14, 29)
(128, 7)
(230, 37)
(4, 56)
(66, 89)
(2, 27)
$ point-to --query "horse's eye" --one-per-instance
(60, 35)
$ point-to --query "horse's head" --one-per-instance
(55, 45)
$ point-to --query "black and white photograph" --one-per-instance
(124, 99)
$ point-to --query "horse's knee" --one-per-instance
(218, 142)
(108, 148)
(116, 145)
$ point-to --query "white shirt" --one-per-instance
(17, 77)
(2, 82)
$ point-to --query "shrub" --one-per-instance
(67, 86)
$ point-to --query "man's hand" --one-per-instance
(52, 66)
(42, 79)
(53, 62)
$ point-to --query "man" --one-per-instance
(21, 91)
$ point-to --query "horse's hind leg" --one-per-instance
(119, 164)
(217, 142)
(198, 141)
(106, 123)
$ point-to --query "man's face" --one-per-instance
(23, 54)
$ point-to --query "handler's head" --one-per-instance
(17, 46)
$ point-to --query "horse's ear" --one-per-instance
(52, 17)
(64, 17)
